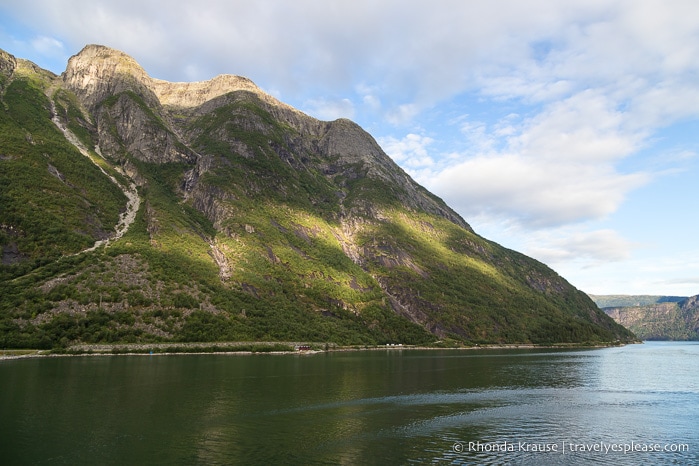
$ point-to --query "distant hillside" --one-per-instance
(661, 320)
(138, 210)
(621, 300)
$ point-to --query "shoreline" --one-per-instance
(261, 348)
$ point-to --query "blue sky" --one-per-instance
(564, 130)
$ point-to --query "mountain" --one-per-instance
(667, 318)
(622, 300)
(138, 210)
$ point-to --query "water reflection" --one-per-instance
(378, 407)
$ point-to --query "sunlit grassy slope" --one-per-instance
(266, 244)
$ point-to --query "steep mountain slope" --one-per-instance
(666, 320)
(255, 222)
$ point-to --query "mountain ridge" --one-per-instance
(256, 222)
(98, 71)
(655, 317)
(633, 300)
(96, 66)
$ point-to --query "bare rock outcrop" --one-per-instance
(8, 63)
(128, 114)
(660, 321)
(194, 94)
(99, 72)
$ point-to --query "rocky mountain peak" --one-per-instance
(7, 63)
(193, 94)
(257, 222)
(97, 72)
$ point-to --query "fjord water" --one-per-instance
(368, 407)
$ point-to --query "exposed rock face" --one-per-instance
(108, 81)
(188, 95)
(128, 114)
(260, 222)
(98, 72)
(138, 132)
(349, 145)
(8, 63)
(660, 321)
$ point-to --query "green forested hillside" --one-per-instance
(633, 300)
(52, 200)
(255, 222)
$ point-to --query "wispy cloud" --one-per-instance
(410, 151)
(326, 109)
(47, 46)
(556, 167)
(540, 116)
(590, 247)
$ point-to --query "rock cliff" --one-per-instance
(660, 321)
(8, 63)
(256, 222)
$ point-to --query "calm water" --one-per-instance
(374, 407)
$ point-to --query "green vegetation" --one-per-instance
(633, 300)
(677, 321)
(273, 241)
(261, 347)
(19, 352)
(53, 201)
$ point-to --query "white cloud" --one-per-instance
(412, 54)
(534, 192)
(415, 51)
(585, 127)
(330, 109)
(402, 114)
(665, 103)
(410, 152)
(477, 137)
(560, 104)
(693, 281)
(47, 46)
(370, 97)
(556, 167)
(592, 247)
(671, 275)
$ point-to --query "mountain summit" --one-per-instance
(138, 210)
